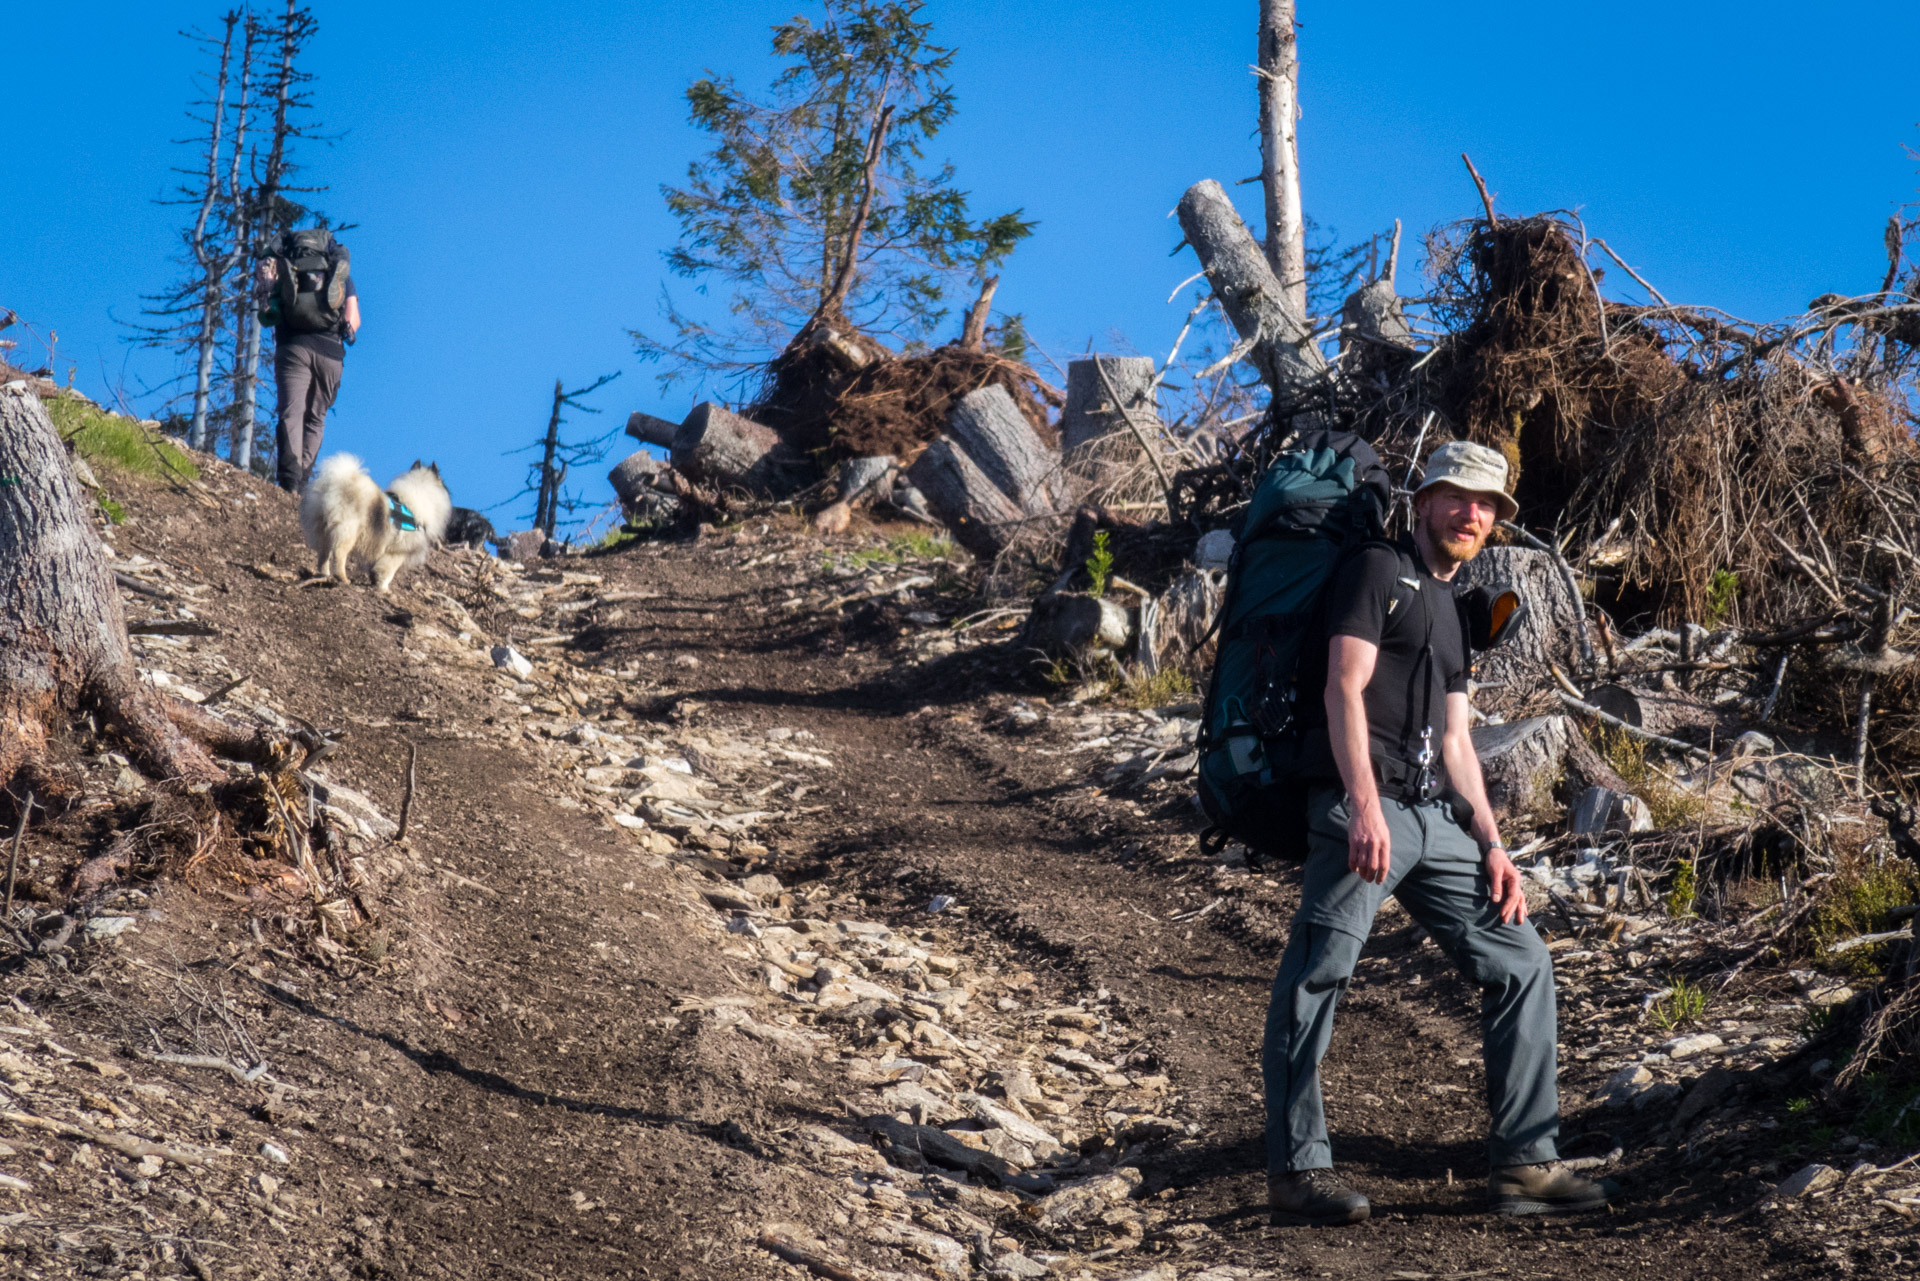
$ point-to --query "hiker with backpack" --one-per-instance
(1336, 733)
(314, 309)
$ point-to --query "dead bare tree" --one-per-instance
(64, 650)
(1279, 73)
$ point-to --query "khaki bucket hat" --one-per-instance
(1471, 467)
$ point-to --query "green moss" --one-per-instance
(114, 444)
(116, 514)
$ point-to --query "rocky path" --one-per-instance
(756, 925)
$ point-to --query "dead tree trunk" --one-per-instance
(1093, 430)
(63, 637)
(973, 334)
(720, 447)
(1272, 330)
(1279, 72)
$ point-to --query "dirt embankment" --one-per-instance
(657, 987)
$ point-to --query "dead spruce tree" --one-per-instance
(64, 651)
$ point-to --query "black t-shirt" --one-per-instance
(332, 345)
(1387, 597)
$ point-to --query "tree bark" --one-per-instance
(631, 478)
(858, 475)
(720, 447)
(960, 495)
(1268, 322)
(1074, 624)
(835, 301)
(1522, 760)
(997, 436)
(63, 636)
(1278, 70)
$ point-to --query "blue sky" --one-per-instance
(503, 162)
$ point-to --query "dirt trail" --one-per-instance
(530, 1075)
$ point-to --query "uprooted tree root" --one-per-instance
(821, 403)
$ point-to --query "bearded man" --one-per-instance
(1408, 816)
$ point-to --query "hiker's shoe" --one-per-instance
(1547, 1188)
(1315, 1197)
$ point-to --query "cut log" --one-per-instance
(649, 430)
(1375, 339)
(1521, 666)
(1075, 625)
(1090, 413)
(632, 477)
(999, 439)
(1522, 761)
(961, 497)
(719, 447)
(1275, 332)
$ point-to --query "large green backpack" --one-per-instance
(1315, 506)
(310, 286)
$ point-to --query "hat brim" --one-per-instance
(1508, 508)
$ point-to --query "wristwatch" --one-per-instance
(1489, 847)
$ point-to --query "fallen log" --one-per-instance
(1272, 331)
(719, 447)
(997, 436)
(1074, 625)
(961, 497)
(649, 430)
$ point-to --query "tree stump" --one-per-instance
(1075, 625)
(858, 475)
(1522, 760)
(63, 635)
(632, 477)
(720, 447)
(1374, 335)
(1090, 416)
(1520, 668)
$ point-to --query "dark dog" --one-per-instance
(470, 527)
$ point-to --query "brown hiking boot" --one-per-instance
(1547, 1188)
(1314, 1197)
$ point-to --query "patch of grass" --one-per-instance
(116, 514)
(1861, 901)
(1683, 891)
(1168, 685)
(914, 545)
(1722, 590)
(1671, 807)
(118, 444)
(1100, 565)
(1684, 1004)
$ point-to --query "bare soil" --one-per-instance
(516, 1072)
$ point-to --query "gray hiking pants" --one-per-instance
(307, 382)
(1437, 875)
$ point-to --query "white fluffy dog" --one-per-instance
(346, 517)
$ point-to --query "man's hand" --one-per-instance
(1369, 846)
(1504, 884)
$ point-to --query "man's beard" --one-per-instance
(1446, 549)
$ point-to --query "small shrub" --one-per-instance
(1100, 565)
(111, 443)
(116, 514)
(1671, 807)
(1168, 685)
(1722, 590)
(1680, 897)
(1861, 901)
(921, 544)
(1684, 1004)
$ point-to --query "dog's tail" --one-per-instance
(340, 503)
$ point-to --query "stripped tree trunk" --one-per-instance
(1279, 73)
(63, 637)
(974, 333)
(1272, 328)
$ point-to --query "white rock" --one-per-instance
(1686, 1047)
(1214, 550)
(1810, 1178)
(108, 927)
(512, 660)
(275, 1153)
(1043, 1144)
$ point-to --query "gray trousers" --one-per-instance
(307, 383)
(1438, 877)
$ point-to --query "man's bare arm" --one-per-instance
(1350, 663)
(1463, 770)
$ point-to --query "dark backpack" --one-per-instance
(1315, 506)
(311, 285)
